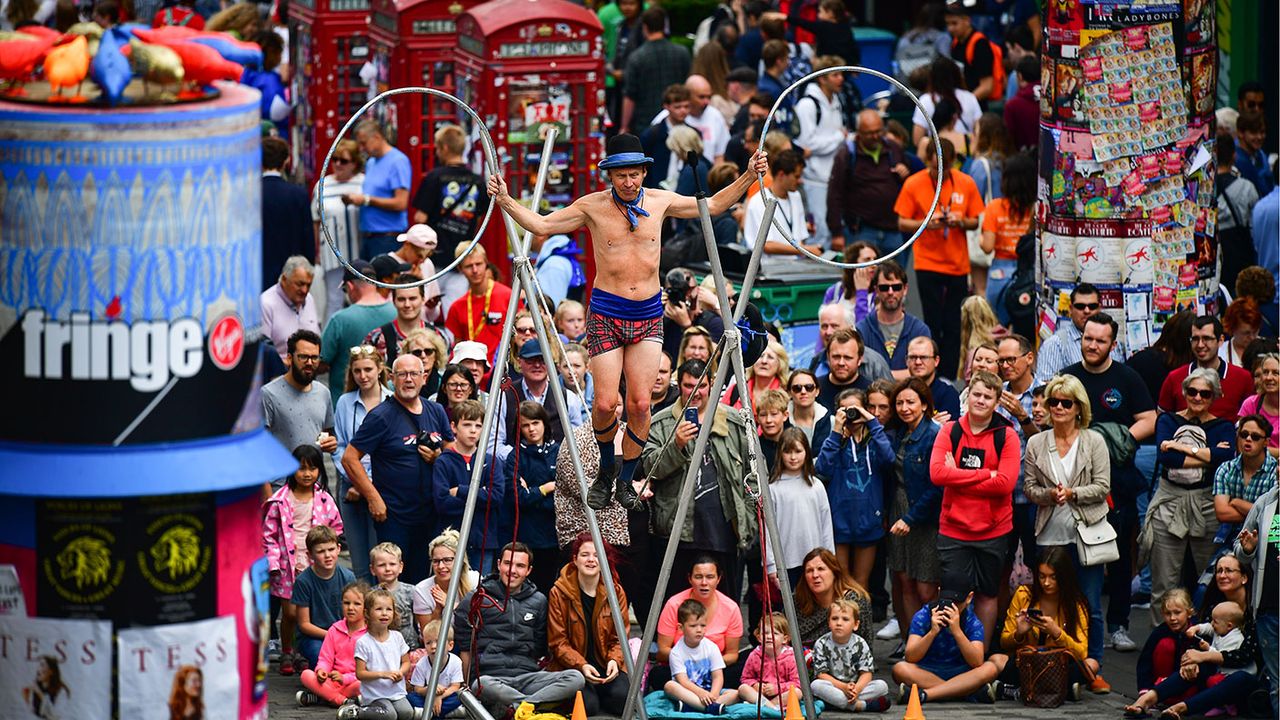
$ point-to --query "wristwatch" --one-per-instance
(367, 199)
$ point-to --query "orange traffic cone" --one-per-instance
(579, 710)
(793, 705)
(913, 706)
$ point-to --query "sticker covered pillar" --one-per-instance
(1126, 163)
(132, 457)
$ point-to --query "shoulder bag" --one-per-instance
(977, 257)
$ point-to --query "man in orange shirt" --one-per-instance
(941, 252)
(479, 314)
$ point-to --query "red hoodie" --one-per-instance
(975, 505)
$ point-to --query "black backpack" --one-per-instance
(1019, 296)
(957, 433)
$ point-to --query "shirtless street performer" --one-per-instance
(626, 301)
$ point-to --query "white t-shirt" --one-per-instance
(970, 111)
(790, 211)
(342, 220)
(714, 130)
(424, 604)
(698, 663)
(381, 656)
(1061, 526)
(452, 671)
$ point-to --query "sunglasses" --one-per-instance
(342, 161)
(423, 352)
(803, 387)
(1198, 393)
(1086, 306)
(889, 287)
(358, 350)
(1064, 403)
(1255, 437)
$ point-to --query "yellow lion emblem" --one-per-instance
(86, 561)
(177, 552)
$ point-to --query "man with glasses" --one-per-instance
(366, 310)
(402, 436)
(534, 385)
(1016, 367)
(1117, 394)
(891, 328)
(866, 177)
(922, 362)
(409, 303)
(1237, 383)
(1063, 348)
(296, 409)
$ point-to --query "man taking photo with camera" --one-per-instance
(682, 310)
(402, 437)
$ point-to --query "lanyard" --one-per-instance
(472, 329)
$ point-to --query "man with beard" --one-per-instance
(402, 437)
(891, 329)
(832, 318)
(295, 408)
(844, 355)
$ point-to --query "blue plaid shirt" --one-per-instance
(1026, 399)
(1229, 480)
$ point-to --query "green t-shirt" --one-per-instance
(345, 330)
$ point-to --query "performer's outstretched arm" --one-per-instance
(565, 220)
(683, 206)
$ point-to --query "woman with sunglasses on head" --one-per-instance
(813, 419)
(426, 345)
(341, 220)
(1067, 473)
(1192, 444)
(366, 386)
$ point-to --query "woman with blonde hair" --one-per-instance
(365, 386)
(427, 345)
(696, 344)
(771, 371)
(428, 595)
(681, 141)
(978, 326)
(241, 20)
(341, 220)
(1067, 474)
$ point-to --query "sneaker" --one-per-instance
(1099, 686)
(714, 708)
(273, 650)
(985, 694)
(1121, 641)
(300, 663)
(899, 652)
(305, 698)
(418, 713)
(602, 489)
(286, 664)
(1074, 692)
(904, 693)
(1008, 691)
(349, 712)
(879, 704)
(890, 631)
(679, 706)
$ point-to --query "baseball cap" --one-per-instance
(470, 350)
(955, 586)
(385, 266)
(420, 235)
(361, 266)
(531, 349)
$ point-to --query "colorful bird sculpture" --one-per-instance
(154, 63)
(66, 66)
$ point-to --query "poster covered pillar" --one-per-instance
(132, 455)
(1126, 163)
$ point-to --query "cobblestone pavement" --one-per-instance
(1117, 668)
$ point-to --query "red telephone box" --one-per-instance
(526, 64)
(338, 66)
(423, 35)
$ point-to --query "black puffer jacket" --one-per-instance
(507, 643)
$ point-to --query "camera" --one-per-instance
(430, 440)
(678, 287)
(851, 416)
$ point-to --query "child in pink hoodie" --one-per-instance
(770, 671)
(334, 678)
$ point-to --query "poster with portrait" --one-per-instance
(190, 667)
(55, 669)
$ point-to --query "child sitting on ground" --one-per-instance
(448, 682)
(843, 664)
(1222, 634)
(334, 679)
(697, 667)
(1162, 653)
(317, 593)
(770, 671)
(386, 562)
(382, 662)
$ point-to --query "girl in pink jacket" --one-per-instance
(770, 670)
(334, 679)
(303, 503)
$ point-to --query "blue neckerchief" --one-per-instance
(632, 209)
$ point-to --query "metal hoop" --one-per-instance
(933, 132)
(491, 158)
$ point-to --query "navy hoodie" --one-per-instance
(453, 470)
(537, 511)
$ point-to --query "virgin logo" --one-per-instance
(226, 342)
